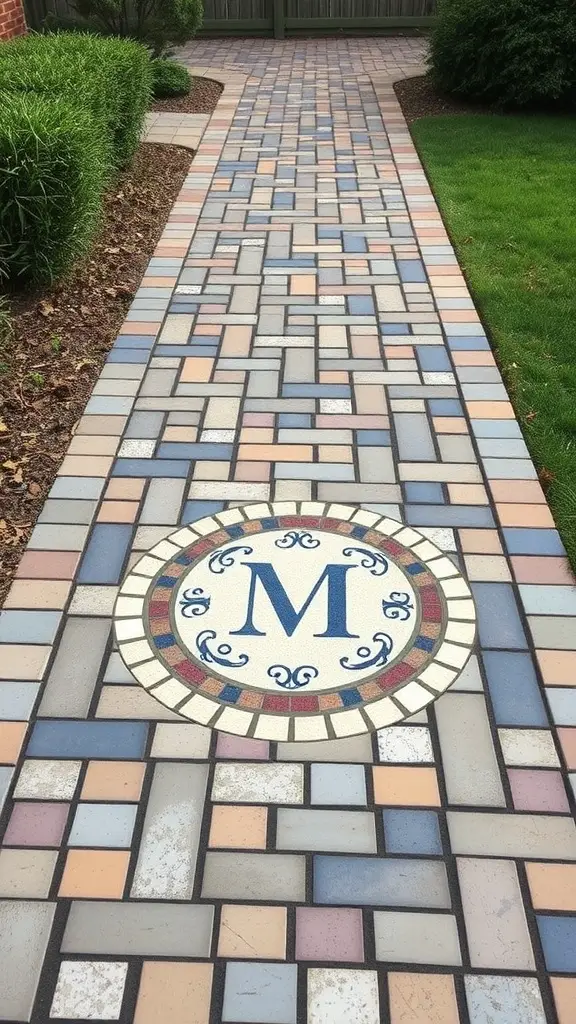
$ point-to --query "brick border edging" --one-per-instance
(186, 129)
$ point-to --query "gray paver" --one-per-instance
(24, 933)
(519, 835)
(144, 929)
(337, 831)
(71, 682)
(470, 766)
(494, 915)
(171, 833)
(260, 876)
(404, 937)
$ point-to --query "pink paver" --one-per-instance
(326, 933)
(36, 824)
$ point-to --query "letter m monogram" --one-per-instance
(289, 617)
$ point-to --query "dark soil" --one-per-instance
(419, 98)
(202, 98)
(61, 337)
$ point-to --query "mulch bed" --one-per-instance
(61, 337)
(419, 98)
(202, 98)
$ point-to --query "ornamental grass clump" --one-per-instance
(73, 108)
(125, 66)
(53, 169)
(110, 77)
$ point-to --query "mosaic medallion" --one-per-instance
(295, 621)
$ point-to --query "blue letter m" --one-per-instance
(282, 605)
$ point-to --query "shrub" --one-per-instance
(509, 52)
(73, 107)
(158, 23)
(111, 77)
(125, 67)
(52, 174)
(169, 78)
(35, 64)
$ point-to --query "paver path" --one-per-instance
(320, 347)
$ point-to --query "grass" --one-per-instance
(5, 322)
(507, 190)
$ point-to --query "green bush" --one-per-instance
(125, 67)
(40, 65)
(169, 78)
(158, 23)
(110, 77)
(52, 174)
(73, 107)
(508, 52)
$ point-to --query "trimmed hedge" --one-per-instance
(169, 78)
(111, 77)
(52, 176)
(72, 112)
(37, 64)
(128, 76)
(509, 52)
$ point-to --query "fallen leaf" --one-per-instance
(15, 532)
(3, 427)
(546, 478)
(45, 308)
(34, 489)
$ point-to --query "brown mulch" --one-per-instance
(419, 98)
(202, 98)
(61, 337)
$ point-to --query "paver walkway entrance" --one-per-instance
(303, 336)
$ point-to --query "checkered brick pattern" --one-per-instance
(303, 332)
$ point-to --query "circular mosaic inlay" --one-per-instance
(295, 621)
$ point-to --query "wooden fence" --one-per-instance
(281, 17)
(292, 17)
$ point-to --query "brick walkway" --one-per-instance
(302, 335)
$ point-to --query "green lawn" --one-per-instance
(507, 189)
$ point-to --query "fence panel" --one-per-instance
(330, 15)
(238, 15)
(344, 10)
(274, 17)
